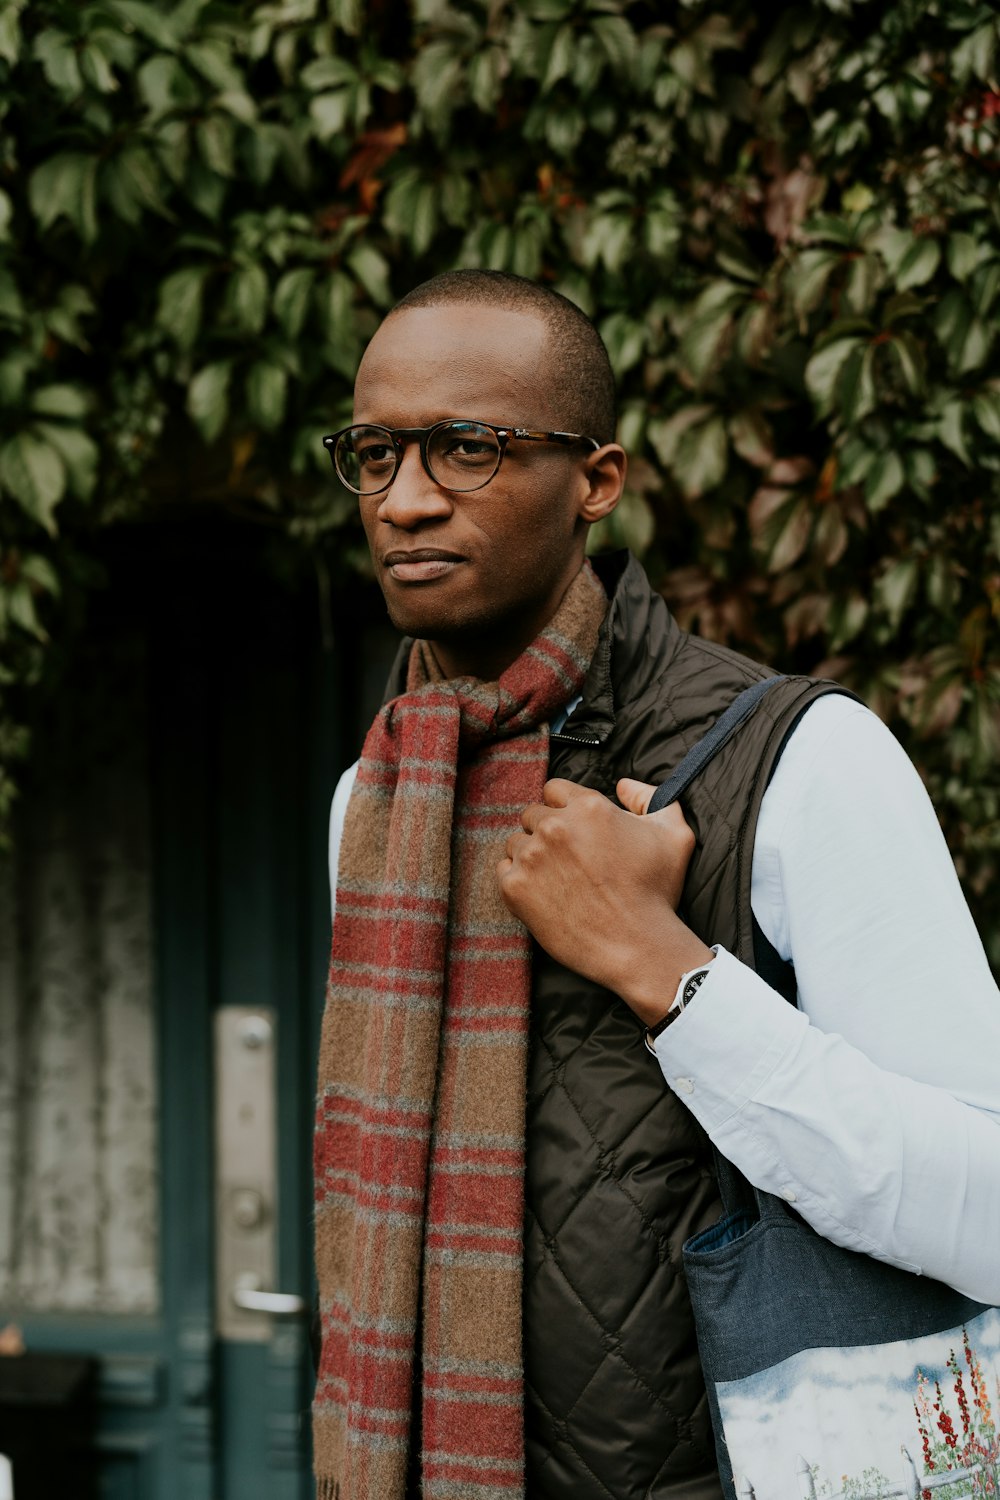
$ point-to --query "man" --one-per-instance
(501, 791)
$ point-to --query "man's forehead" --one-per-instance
(443, 358)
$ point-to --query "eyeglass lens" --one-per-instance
(460, 455)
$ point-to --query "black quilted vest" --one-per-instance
(619, 1173)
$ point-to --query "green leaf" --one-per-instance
(702, 455)
(665, 433)
(560, 59)
(96, 70)
(371, 269)
(6, 214)
(625, 340)
(896, 587)
(216, 137)
(894, 245)
(978, 343)
(66, 185)
(964, 255)
(885, 480)
(138, 183)
(267, 385)
(11, 304)
(986, 410)
(618, 41)
(906, 351)
(239, 104)
(291, 299)
(60, 401)
(974, 56)
(213, 61)
(78, 453)
(21, 610)
(327, 73)
(830, 227)
(808, 277)
(780, 525)
(39, 571)
(32, 471)
(856, 384)
(752, 437)
(823, 370)
(608, 240)
(863, 277)
(247, 298)
(918, 264)
(208, 398)
(179, 308)
(329, 113)
(711, 321)
(10, 34)
(58, 58)
(951, 431)
(486, 78)
(160, 81)
(148, 19)
(921, 470)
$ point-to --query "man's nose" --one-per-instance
(413, 497)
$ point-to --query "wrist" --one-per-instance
(690, 984)
(653, 989)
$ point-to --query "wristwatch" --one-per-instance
(689, 985)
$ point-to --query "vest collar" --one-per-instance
(637, 638)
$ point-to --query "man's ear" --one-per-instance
(604, 476)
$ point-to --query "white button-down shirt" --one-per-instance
(875, 1106)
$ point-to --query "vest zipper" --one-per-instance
(575, 739)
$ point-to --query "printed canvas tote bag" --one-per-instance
(832, 1376)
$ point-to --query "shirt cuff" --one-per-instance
(728, 1041)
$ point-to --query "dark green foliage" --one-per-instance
(787, 229)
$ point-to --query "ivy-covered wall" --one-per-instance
(785, 220)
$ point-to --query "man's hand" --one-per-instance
(598, 888)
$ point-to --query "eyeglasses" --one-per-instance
(456, 454)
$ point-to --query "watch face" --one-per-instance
(692, 986)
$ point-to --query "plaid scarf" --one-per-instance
(419, 1147)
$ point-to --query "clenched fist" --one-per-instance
(597, 887)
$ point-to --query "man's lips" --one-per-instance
(421, 564)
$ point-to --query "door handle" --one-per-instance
(248, 1294)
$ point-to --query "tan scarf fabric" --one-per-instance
(419, 1148)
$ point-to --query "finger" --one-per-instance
(634, 796)
(531, 815)
(560, 793)
(511, 846)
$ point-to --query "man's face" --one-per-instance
(478, 574)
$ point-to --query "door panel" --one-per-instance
(239, 732)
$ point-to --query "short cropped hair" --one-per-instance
(579, 369)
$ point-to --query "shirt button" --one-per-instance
(684, 1085)
(788, 1194)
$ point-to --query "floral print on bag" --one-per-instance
(932, 1429)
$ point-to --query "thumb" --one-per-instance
(634, 796)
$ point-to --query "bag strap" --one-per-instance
(738, 1195)
(711, 743)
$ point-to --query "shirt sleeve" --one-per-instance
(875, 1107)
(338, 808)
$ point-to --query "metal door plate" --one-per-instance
(245, 1175)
